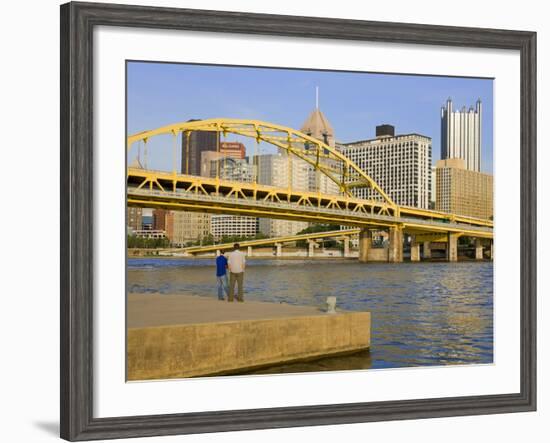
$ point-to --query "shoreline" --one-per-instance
(463, 259)
(254, 257)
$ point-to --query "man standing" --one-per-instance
(236, 263)
(221, 275)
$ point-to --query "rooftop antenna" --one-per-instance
(316, 97)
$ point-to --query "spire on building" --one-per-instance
(317, 125)
(316, 97)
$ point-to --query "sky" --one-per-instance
(159, 94)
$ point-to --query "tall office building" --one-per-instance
(400, 164)
(461, 134)
(206, 158)
(240, 170)
(433, 187)
(233, 150)
(192, 226)
(193, 145)
(461, 191)
(318, 126)
(283, 171)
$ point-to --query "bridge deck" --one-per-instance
(178, 183)
(274, 240)
(219, 204)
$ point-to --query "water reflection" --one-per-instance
(422, 313)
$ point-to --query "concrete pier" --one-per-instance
(395, 253)
(452, 247)
(279, 247)
(479, 249)
(311, 248)
(427, 250)
(415, 251)
(346, 247)
(365, 243)
(175, 336)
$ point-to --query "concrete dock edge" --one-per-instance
(200, 349)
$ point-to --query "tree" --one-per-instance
(318, 228)
(147, 243)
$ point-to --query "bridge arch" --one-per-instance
(324, 158)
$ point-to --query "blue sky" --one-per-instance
(354, 103)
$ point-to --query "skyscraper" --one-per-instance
(282, 170)
(400, 164)
(461, 134)
(318, 126)
(192, 226)
(240, 170)
(193, 145)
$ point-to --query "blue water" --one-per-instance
(422, 313)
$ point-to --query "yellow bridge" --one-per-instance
(171, 190)
(343, 234)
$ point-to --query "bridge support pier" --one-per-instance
(279, 247)
(415, 250)
(311, 248)
(479, 249)
(365, 243)
(427, 250)
(491, 250)
(395, 253)
(452, 246)
(346, 247)
(249, 251)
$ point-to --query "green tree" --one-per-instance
(134, 241)
(318, 228)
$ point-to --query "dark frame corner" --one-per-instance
(77, 23)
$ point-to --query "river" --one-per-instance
(427, 313)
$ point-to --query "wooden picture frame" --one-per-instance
(77, 217)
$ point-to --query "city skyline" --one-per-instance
(351, 186)
(354, 103)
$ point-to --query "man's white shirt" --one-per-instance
(236, 261)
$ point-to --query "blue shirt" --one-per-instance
(221, 264)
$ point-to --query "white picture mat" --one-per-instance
(114, 397)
